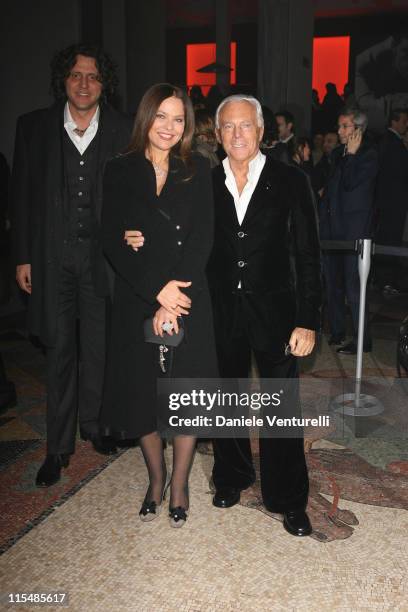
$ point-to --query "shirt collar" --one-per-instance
(395, 132)
(285, 140)
(253, 166)
(70, 123)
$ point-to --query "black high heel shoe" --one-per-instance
(151, 510)
(178, 516)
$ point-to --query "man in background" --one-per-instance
(286, 132)
(392, 197)
(346, 213)
(321, 171)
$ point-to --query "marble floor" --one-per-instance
(94, 548)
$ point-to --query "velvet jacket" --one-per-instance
(274, 253)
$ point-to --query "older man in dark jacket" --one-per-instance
(260, 301)
(59, 158)
(346, 214)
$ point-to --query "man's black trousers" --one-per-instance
(284, 478)
(342, 281)
(75, 365)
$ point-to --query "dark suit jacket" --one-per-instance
(392, 189)
(280, 217)
(37, 211)
(346, 211)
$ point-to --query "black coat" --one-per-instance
(280, 218)
(178, 231)
(346, 211)
(37, 206)
(392, 189)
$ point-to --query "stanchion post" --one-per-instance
(364, 263)
(362, 404)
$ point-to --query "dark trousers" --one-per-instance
(284, 478)
(342, 281)
(75, 372)
(390, 270)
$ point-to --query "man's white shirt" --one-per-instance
(286, 140)
(241, 202)
(254, 172)
(81, 142)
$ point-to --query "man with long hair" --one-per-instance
(56, 203)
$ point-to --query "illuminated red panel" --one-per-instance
(201, 54)
(330, 63)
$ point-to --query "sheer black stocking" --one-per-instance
(152, 449)
(183, 454)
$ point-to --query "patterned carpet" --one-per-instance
(88, 523)
(22, 448)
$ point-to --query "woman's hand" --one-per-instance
(164, 316)
(134, 239)
(23, 277)
(174, 300)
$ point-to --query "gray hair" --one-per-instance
(360, 119)
(240, 98)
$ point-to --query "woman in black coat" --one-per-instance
(159, 187)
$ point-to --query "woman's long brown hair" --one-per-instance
(146, 114)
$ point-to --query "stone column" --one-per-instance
(285, 47)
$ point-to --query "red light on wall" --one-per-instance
(330, 63)
(198, 56)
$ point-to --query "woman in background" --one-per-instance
(302, 156)
(205, 141)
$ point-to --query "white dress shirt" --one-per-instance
(241, 201)
(286, 140)
(254, 171)
(81, 142)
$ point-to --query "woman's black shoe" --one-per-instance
(151, 509)
(178, 516)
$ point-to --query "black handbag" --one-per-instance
(165, 342)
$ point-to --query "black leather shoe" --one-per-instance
(336, 339)
(104, 445)
(225, 497)
(8, 397)
(351, 348)
(50, 471)
(297, 523)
